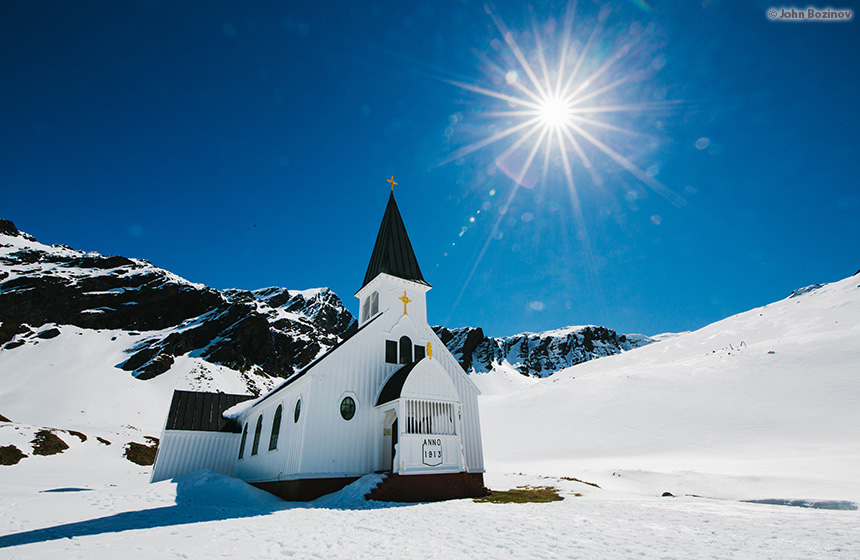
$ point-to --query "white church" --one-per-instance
(390, 398)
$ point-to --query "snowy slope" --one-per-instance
(764, 404)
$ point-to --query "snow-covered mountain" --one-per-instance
(269, 332)
(535, 354)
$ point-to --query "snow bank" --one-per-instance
(206, 488)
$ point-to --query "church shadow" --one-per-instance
(127, 521)
(194, 504)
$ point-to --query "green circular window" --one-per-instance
(298, 410)
(347, 408)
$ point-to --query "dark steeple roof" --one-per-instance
(393, 252)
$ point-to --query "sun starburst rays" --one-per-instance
(567, 99)
(559, 100)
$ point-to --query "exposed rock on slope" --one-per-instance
(273, 330)
(536, 354)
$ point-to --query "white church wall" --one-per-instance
(285, 460)
(390, 289)
(339, 447)
(181, 452)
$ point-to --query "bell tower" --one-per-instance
(393, 279)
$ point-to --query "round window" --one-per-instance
(347, 408)
(298, 410)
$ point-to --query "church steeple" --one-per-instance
(392, 253)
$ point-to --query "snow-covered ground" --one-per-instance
(764, 405)
(761, 405)
(210, 516)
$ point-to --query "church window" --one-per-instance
(391, 351)
(298, 411)
(405, 350)
(374, 303)
(276, 429)
(256, 445)
(419, 352)
(370, 306)
(244, 439)
(347, 408)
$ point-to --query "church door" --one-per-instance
(393, 444)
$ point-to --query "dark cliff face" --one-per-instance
(535, 354)
(274, 330)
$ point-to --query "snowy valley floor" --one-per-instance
(210, 516)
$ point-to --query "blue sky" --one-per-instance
(248, 145)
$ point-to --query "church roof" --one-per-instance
(392, 253)
(394, 385)
(192, 410)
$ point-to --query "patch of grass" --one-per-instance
(523, 495)
(140, 454)
(48, 443)
(572, 479)
(10, 455)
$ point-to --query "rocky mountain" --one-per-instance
(272, 331)
(536, 354)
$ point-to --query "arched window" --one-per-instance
(256, 446)
(244, 439)
(347, 408)
(298, 411)
(374, 304)
(276, 428)
(405, 350)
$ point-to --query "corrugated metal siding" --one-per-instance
(192, 410)
(181, 452)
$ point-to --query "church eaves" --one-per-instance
(392, 253)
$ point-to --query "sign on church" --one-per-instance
(432, 449)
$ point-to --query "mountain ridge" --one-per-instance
(271, 331)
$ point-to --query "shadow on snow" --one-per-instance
(200, 497)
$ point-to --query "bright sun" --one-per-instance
(554, 111)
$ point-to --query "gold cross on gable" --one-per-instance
(405, 299)
(392, 183)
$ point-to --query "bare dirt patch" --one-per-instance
(79, 435)
(142, 454)
(10, 455)
(48, 443)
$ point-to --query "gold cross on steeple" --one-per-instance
(405, 299)
(392, 183)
